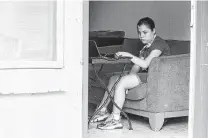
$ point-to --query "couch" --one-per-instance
(164, 92)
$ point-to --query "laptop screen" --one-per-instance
(93, 50)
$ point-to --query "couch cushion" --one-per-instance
(138, 92)
(136, 104)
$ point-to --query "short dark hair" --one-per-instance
(146, 21)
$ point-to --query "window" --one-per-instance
(31, 34)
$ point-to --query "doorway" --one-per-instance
(192, 19)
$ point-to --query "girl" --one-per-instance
(154, 46)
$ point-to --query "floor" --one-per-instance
(173, 128)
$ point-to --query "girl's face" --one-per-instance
(146, 35)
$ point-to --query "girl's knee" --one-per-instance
(126, 81)
(125, 78)
(121, 82)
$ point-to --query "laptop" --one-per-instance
(95, 53)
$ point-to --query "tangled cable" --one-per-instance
(110, 97)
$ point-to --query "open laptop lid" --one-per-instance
(93, 49)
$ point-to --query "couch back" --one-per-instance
(176, 46)
(179, 47)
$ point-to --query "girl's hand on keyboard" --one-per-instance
(124, 54)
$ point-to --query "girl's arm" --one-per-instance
(144, 63)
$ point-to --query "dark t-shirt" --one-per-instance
(158, 44)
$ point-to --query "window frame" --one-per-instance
(58, 63)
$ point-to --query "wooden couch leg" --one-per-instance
(156, 121)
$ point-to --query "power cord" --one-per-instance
(94, 78)
(110, 97)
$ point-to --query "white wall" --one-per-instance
(172, 18)
(53, 115)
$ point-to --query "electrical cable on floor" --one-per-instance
(104, 103)
(110, 97)
(94, 78)
(96, 98)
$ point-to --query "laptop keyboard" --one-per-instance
(111, 55)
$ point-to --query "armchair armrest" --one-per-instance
(168, 83)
